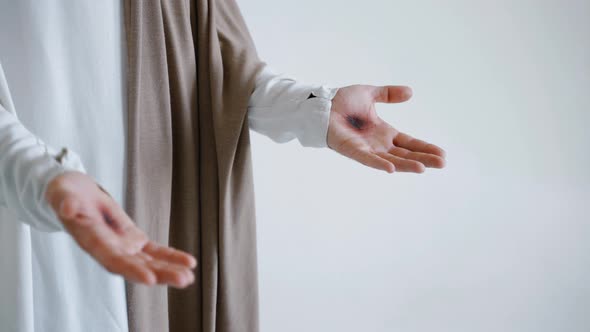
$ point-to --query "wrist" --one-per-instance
(58, 187)
(333, 114)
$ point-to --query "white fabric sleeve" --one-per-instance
(27, 166)
(283, 109)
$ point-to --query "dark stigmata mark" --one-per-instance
(109, 220)
(311, 95)
(356, 122)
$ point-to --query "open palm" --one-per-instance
(101, 228)
(357, 132)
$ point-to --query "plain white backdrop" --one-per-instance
(497, 241)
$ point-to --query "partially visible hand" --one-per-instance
(356, 131)
(101, 227)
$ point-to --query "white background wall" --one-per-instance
(497, 241)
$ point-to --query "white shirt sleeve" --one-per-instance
(27, 165)
(284, 109)
(280, 107)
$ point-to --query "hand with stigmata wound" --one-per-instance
(101, 227)
(356, 131)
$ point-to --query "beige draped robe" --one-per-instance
(191, 70)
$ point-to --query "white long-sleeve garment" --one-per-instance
(62, 74)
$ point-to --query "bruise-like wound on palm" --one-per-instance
(355, 122)
(111, 222)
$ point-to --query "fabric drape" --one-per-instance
(192, 67)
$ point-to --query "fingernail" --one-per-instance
(409, 92)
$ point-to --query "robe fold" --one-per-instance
(192, 67)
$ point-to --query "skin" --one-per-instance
(103, 229)
(357, 132)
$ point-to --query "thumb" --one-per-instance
(392, 93)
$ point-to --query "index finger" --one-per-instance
(170, 255)
(413, 144)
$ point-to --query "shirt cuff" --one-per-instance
(315, 126)
(283, 108)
